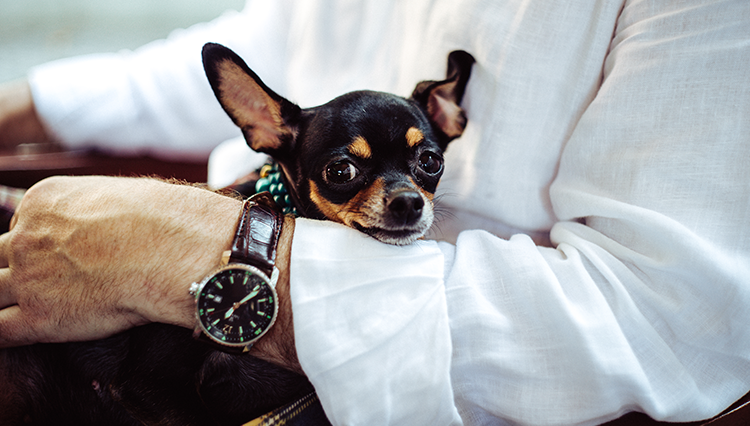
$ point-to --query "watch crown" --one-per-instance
(194, 289)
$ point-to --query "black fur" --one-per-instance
(154, 375)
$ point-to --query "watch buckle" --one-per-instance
(274, 276)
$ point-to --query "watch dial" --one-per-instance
(236, 306)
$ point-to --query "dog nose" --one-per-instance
(405, 206)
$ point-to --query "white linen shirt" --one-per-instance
(592, 255)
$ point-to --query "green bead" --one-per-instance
(262, 185)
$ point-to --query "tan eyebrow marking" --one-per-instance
(414, 137)
(360, 147)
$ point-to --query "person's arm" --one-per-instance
(88, 257)
(642, 305)
(153, 100)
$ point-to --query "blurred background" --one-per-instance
(37, 31)
(33, 32)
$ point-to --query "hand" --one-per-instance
(19, 122)
(88, 257)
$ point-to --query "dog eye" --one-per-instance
(430, 162)
(341, 172)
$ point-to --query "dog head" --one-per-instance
(369, 160)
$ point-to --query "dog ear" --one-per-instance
(268, 121)
(442, 99)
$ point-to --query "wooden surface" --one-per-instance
(23, 170)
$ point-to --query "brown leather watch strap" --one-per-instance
(258, 233)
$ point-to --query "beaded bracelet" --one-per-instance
(270, 180)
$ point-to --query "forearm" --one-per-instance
(19, 121)
(156, 99)
(88, 257)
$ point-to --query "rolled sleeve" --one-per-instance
(156, 99)
(371, 326)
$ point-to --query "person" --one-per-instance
(593, 257)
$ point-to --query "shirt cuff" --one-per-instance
(371, 326)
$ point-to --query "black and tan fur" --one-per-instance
(366, 159)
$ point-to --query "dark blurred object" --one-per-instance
(9, 200)
(29, 164)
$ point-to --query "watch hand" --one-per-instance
(252, 294)
(244, 300)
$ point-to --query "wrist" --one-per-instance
(19, 121)
(244, 304)
(277, 346)
(207, 220)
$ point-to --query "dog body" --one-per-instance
(150, 375)
(369, 160)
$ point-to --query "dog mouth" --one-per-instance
(400, 218)
(398, 237)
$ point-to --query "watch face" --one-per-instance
(236, 305)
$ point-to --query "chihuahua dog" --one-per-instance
(366, 159)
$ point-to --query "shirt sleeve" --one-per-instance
(157, 99)
(361, 308)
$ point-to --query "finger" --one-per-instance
(7, 298)
(4, 250)
(13, 328)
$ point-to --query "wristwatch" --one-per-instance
(236, 304)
